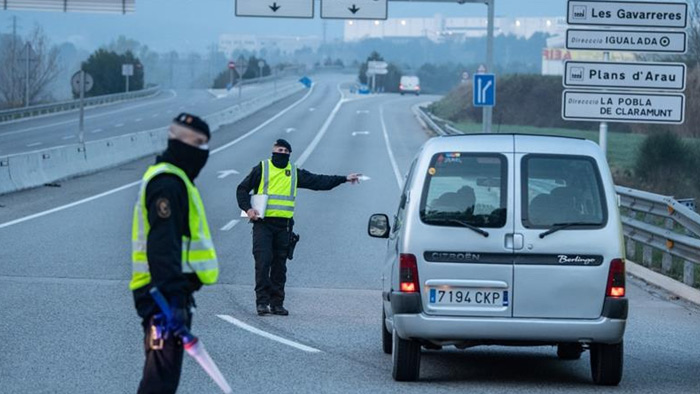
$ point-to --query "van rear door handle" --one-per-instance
(514, 241)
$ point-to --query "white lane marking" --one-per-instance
(304, 156)
(356, 133)
(290, 129)
(225, 173)
(68, 137)
(124, 187)
(96, 131)
(87, 117)
(230, 225)
(63, 207)
(312, 109)
(33, 144)
(119, 125)
(362, 111)
(272, 119)
(138, 119)
(267, 335)
(155, 115)
(397, 173)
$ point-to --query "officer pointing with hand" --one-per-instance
(279, 180)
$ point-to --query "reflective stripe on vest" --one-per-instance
(198, 253)
(280, 185)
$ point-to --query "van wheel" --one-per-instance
(386, 335)
(569, 351)
(606, 363)
(406, 359)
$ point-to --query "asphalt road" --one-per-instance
(67, 323)
(120, 118)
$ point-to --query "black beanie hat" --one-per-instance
(283, 143)
(193, 122)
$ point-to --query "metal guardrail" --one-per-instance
(666, 224)
(44, 109)
(661, 223)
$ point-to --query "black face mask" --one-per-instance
(186, 157)
(280, 160)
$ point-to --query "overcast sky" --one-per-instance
(186, 25)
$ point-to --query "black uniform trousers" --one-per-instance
(161, 371)
(270, 247)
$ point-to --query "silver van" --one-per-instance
(509, 240)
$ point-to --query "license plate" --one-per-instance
(468, 297)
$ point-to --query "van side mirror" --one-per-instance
(378, 226)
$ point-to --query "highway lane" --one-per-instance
(71, 327)
(121, 118)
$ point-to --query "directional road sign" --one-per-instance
(623, 107)
(354, 9)
(628, 13)
(484, 90)
(627, 40)
(127, 70)
(658, 76)
(377, 68)
(75, 82)
(275, 8)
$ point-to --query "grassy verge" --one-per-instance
(622, 147)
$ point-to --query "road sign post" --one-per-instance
(127, 71)
(81, 82)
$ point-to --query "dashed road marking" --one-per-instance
(230, 225)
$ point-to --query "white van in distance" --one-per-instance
(409, 84)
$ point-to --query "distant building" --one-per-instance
(555, 54)
(228, 43)
(439, 28)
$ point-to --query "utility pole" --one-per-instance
(26, 79)
(488, 111)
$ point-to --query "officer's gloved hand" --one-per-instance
(178, 321)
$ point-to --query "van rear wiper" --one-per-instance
(562, 226)
(461, 223)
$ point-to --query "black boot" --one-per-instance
(263, 310)
(279, 310)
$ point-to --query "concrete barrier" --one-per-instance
(32, 169)
(6, 183)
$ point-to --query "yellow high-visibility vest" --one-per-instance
(198, 253)
(280, 185)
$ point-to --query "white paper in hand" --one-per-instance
(259, 203)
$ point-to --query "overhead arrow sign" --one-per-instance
(278, 8)
(354, 9)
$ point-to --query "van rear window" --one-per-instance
(561, 189)
(465, 187)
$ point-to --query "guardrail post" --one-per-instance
(667, 259)
(631, 248)
(646, 249)
(688, 273)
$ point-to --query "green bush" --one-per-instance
(667, 164)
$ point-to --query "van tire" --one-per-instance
(569, 351)
(386, 335)
(405, 359)
(607, 363)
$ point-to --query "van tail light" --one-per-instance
(400, 86)
(408, 273)
(418, 87)
(616, 279)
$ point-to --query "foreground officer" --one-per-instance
(172, 249)
(279, 179)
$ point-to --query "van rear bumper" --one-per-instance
(448, 328)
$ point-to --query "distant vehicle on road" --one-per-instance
(505, 240)
(409, 84)
(363, 89)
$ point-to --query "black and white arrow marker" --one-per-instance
(274, 7)
(353, 9)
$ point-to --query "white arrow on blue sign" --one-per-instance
(484, 90)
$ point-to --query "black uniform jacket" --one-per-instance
(168, 216)
(305, 180)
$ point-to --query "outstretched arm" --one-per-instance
(308, 180)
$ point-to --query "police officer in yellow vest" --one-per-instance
(172, 249)
(279, 180)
